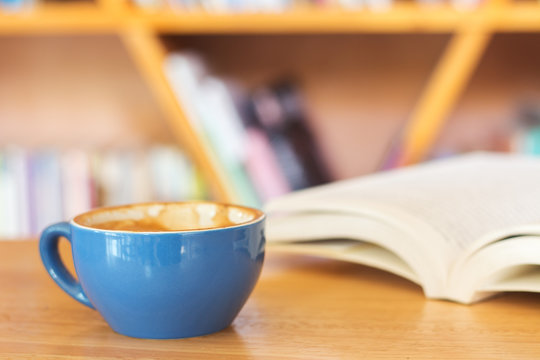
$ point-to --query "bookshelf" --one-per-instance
(106, 16)
(141, 31)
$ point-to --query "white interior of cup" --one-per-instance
(168, 217)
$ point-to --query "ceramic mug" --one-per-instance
(161, 270)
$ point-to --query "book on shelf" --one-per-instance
(211, 112)
(260, 6)
(75, 172)
(45, 190)
(463, 228)
(278, 110)
(526, 131)
(42, 186)
(12, 166)
(258, 138)
(263, 165)
(15, 6)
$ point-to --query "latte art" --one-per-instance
(159, 217)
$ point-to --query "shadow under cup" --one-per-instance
(161, 270)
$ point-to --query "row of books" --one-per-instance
(41, 187)
(260, 137)
(241, 6)
(276, 6)
(10, 6)
(250, 6)
(519, 134)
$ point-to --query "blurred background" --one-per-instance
(108, 102)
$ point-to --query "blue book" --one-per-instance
(45, 190)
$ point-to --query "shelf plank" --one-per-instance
(58, 18)
(515, 18)
(140, 31)
(442, 91)
(110, 16)
(401, 18)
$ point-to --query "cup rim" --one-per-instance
(259, 216)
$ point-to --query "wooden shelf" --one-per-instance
(140, 30)
(515, 18)
(402, 18)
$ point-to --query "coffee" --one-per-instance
(161, 217)
(146, 225)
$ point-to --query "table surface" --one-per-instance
(302, 308)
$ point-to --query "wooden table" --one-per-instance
(302, 308)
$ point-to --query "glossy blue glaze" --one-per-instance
(160, 284)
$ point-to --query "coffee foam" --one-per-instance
(157, 217)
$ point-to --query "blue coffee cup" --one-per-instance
(161, 270)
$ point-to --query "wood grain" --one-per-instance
(302, 308)
(402, 17)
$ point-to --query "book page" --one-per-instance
(349, 237)
(507, 265)
(360, 252)
(463, 198)
(304, 230)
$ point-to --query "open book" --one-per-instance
(462, 228)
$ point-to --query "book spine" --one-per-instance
(212, 112)
(183, 5)
(38, 188)
(10, 225)
(141, 181)
(11, 6)
(379, 5)
(4, 220)
(526, 131)
(352, 4)
(260, 6)
(170, 178)
(184, 71)
(46, 190)
(279, 112)
(263, 166)
(17, 168)
(75, 172)
(465, 5)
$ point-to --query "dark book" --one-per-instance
(279, 111)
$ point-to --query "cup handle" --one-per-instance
(48, 248)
